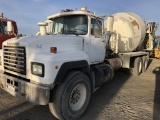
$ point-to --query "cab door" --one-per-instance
(97, 49)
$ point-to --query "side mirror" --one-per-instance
(9, 26)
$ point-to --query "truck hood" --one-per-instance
(42, 44)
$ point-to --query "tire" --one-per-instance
(145, 63)
(109, 73)
(138, 64)
(71, 97)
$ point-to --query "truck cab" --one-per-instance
(80, 23)
(8, 29)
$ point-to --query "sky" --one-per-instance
(27, 13)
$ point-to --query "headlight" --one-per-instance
(37, 69)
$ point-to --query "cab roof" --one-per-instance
(5, 19)
(71, 13)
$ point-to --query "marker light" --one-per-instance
(53, 49)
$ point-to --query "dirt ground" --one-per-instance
(124, 98)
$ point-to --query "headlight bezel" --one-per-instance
(38, 64)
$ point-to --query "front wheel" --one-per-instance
(71, 98)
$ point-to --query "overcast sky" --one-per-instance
(27, 13)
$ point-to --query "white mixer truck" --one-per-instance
(74, 53)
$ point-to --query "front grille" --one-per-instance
(15, 59)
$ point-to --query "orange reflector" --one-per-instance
(53, 49)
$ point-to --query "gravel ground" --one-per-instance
(124, 98)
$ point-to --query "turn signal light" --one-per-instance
(53, 49)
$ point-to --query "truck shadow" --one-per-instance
(27, 112)
(156, 109)
(149, 62)
(34, 113)
(3, 112)
(19, 109)
(102, 98)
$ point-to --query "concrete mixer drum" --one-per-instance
(131, 30)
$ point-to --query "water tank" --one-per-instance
(131, 29)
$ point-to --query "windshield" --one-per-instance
(73, 24)
(3, 27)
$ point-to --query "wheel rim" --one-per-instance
(140, 66)
(77, 97)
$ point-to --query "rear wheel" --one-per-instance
(138, 64)
(71, 98)
(145, 63)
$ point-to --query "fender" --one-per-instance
(68, 66)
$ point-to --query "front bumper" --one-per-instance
(33, 93)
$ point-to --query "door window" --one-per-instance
(96, 27)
